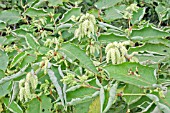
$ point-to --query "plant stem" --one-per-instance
(101, 54)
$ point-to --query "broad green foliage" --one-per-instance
(31, 41)
(34, 12)
(137, 16)
(72, 12)
(18, 58)
(4, 60)
(95, 106)
(10, 16)
(4, 89)
(104, 4)
(106, 38)
(41, 105)
(150, 48)
(113, 13)
(74, 53)
(132, 73)
(2, 24)
(84, 56)
(13, 107)
(149, 32)
(131, 89)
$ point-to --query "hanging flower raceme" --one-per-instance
(86, 27)
(128, 13)
(92, 48)
(27, 86)
(117, 53)
(44, 64)
(50, 42)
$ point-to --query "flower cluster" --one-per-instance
(86, 27)
(116, 52)
(27, 86)
(82, 78)
(9, 49)
(128, 13)
(92, 47)
(49, 43)
(72, 80)
(47, 87)
(69, 79)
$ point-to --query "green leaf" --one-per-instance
(34, 12)
(82, 107)
(1, 108)
(107, 38)
(166, 100)
(22, 31)
(13, 107)
(15, 91)
(82, 92)
(9, 40)
(151, 48)
(111, 98)
(104, 4)
(55, 2)
(3, 60)
(120, 73)
(104, 95)
(148, 32)
(113, 13)
(161, 12)
(131, 89)
(2, 40)
(73, 1)
(17, 59)
(74, 52)
(43, 49)
(11, 77)
(94, 12)
(163, 108)
(2, 74)
(118, 109)
(95, 106)
(2, 25)
(4, 89)
(137, 16)
(29, 58)
(156, 100)
(139, 102)
(57, 74)
(31, 41)
(149, 58)
(54, 80)
(43, 105)
(158, 41)
(10, 16)
(73, 11)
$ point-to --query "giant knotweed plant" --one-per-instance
(84, 56)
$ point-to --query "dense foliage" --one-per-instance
(84, 56)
